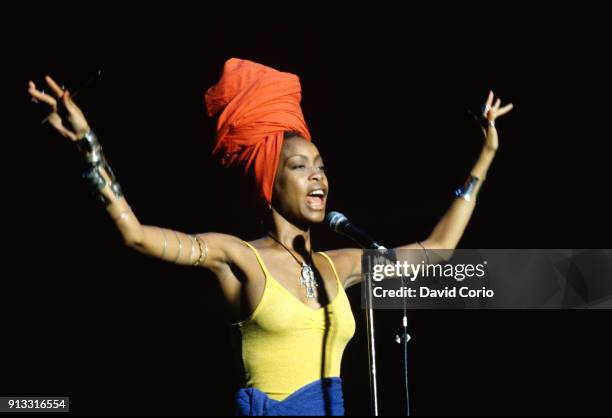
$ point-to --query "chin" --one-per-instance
(319, 219)
(316, 217)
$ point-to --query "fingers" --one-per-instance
(54, 87)
(67, 101)
(490, 99)
(487, 106)
(56, 122)
(492, 111)
(54, 118)
(505, 109)
(40, 96)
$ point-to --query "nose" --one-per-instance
(316, 175)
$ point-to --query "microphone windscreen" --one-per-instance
(333, 219)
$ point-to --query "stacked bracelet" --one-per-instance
(192, 249)
(200, 259)
(165, 243)
(180, 247)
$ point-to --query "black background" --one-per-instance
(385, 94)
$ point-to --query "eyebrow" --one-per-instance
(305, 157)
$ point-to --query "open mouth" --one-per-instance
(316, 199)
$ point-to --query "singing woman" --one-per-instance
(288, 300)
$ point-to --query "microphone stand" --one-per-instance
(371, 338)
(334, 219)
(401, 338)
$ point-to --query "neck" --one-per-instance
(293, 236)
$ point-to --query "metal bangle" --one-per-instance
(197, 262)
(180, 247)
(165, 243)
(424, 249)
(192, 249)
(200, 260)
(206, 256)
(90, 146)
(96, 161)
(465, 192)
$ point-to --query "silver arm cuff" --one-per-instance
(96, 162)
(466, 191)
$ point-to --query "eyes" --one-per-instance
(302, 166)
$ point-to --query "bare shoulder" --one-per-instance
(220, 250)
(344, 254)
(348, 264)
(229, 259)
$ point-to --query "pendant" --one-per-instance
(307, 278)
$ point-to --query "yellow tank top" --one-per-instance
(286, 344)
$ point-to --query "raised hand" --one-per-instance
(77, 125)
(491, 112)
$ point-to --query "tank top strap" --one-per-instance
(333, 268)
(259, 260)
(267, 273)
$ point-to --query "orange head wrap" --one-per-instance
(259, 104)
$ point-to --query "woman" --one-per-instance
(290, 302)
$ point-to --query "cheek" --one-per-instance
(290, 186)
(283, 183)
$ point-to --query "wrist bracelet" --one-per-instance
(96, 161)
(200, 259)
(466, 191)
(90, 146)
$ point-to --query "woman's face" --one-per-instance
(300, 186)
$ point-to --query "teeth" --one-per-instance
(316, 193)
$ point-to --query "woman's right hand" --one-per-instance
(77, 125)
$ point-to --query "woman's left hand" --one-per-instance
(491, 112)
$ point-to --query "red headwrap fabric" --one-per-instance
(258, 104)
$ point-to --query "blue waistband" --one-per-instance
(319, 398)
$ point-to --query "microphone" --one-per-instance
(340, 224)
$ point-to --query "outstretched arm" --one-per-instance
(450, 228)
(207, 250)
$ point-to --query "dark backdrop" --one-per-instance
(385, 93)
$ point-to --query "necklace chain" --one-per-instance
(307, 277)
(301, 263)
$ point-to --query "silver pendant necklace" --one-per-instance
(307, 277)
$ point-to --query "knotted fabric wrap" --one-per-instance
(257, 104)
(322, 397)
